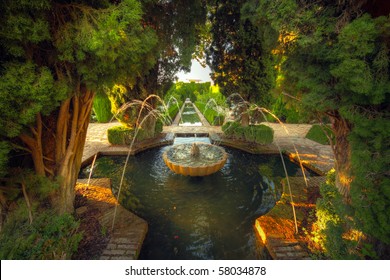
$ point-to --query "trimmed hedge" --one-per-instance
(260, 134)
(317, 134)
(123, 135)
(120, 135)
(212, 116)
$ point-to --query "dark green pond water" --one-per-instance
(208, 217)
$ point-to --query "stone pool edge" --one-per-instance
(129, 232)
(276, 229)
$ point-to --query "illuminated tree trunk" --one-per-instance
(56, 145)
(72, 125)
(342, 153)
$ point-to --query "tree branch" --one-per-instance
(30, 217)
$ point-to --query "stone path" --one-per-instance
(129, 231)
(291, 139)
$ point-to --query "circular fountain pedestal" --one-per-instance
(196, 159)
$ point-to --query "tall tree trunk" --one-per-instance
(56, 144)
(72, 120)
(342, 153)
(34, 143)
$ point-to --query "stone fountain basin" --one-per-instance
(179, 159)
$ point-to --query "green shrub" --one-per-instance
(123, 135)
(240, 133)
(120, 135)
(229, 128)
(50, 236)
(288, 112)
(331, 225)
(249, 133)
(201, 106)
(159, 127)
(102, 108)
(260, 134)
(263, 134)
(317, 134)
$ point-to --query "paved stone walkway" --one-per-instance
(291, 139)
(127, 231)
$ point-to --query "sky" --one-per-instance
(197, 72)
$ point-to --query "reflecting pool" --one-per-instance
(209, 217)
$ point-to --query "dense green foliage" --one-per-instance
(370, 163)
(288, 112)
(177, 24)
(328, 234)
(48, 237)
(335, 59)
(181, 91)
(26, 90)
(320, 134)
(236, 55)
(54, 56)
(4, 150)
(122, 135)
(260, 134)
(102, 108)
(159, 127)
(333, 234)
(213, 97)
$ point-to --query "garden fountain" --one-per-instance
(193, 217)
(196, 159)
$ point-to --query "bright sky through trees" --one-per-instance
(197, 73)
